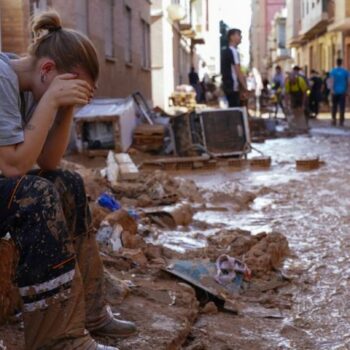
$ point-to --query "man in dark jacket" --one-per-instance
(234, 82)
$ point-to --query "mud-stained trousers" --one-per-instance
(60, 273)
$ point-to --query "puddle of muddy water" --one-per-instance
(312, 209)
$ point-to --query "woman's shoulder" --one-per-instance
(5, 69)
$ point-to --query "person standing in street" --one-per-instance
(315, 97)
(278, 87)
(234, 82)
(193, 79)
(296, 89)
(339, 86)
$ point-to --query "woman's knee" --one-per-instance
(33, 190)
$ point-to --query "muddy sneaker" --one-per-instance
(105, 347)
(116, 328)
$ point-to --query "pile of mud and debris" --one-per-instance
(173, 296)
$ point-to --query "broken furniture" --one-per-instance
(218, 132)
(154, 133)
(105, 124)
(148, 138)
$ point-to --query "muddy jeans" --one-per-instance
(59, 274)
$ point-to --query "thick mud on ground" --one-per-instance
(311, 310)
(312, 209)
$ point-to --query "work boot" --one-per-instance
(105, 347)
(115, 328)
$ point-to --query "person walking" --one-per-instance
(45, 211)
(326, 88)
(193, 79)
(315, 83)
(339, 77)
(296, 89)
(278, 87)
(233, 79)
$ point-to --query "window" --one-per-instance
(146, 45)
(82, 15)
(37, 6)
(128, 36)
(109, 28)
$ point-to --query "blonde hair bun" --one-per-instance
(68, 48)
(46, 22)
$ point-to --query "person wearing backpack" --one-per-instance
(296, 89)
(339, 77)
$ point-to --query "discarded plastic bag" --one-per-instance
(107, 201)
(110, 237)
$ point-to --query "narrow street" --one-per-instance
(312, 210)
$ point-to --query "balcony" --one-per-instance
(282, 54)
(341, 17)
(316, 19)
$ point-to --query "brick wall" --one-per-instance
(118, 79)
(15, 36)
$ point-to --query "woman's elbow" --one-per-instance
(13, 171)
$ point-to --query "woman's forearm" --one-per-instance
(57, 140)
(18, 159)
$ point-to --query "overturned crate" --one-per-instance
(149, 137)
(105, 124)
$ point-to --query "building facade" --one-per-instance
(279, 53)
(318, 32)
(120, 31)
(183, 34)
(263, 13)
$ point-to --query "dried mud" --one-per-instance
(290, 227)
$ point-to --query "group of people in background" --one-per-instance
(303, 94)
(294, 94)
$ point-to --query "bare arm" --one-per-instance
(57, 140)
(65, 90)
(18, 159)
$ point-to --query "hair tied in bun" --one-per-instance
(55, 29)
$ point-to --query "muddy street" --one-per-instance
(298, 297)
(312, 210)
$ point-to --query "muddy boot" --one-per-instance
(116, 328)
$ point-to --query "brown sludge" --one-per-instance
(166, 310)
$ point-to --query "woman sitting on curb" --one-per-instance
(59, 274)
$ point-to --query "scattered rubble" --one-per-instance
(169, 313)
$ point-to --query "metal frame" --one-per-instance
(247, 146)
